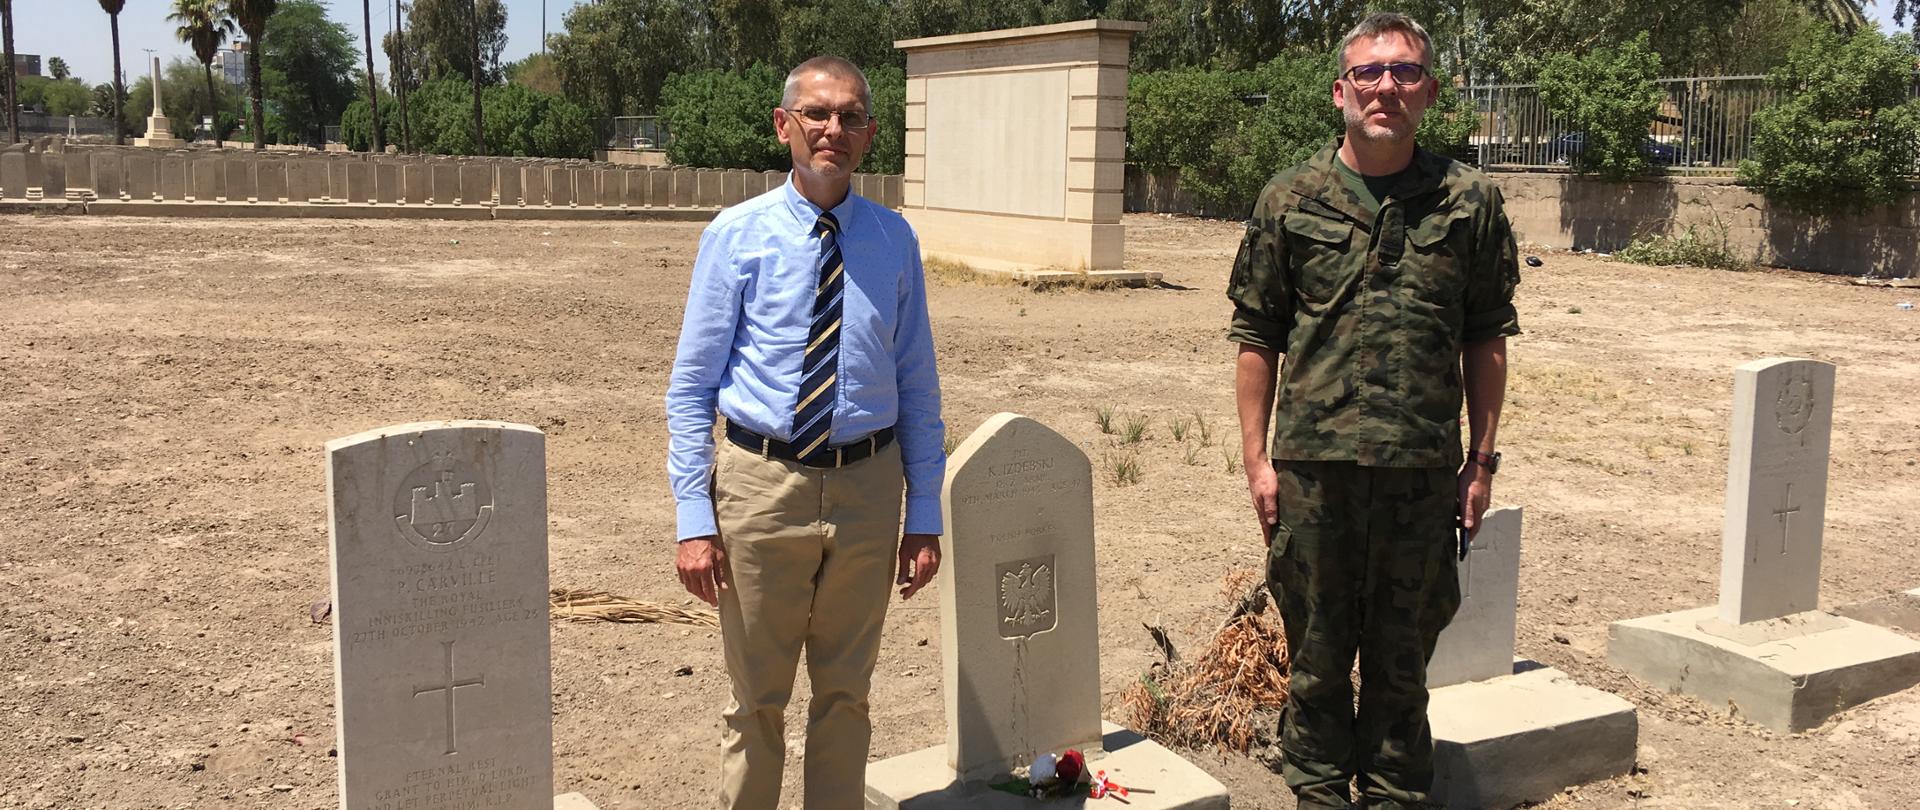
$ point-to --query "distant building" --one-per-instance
(26, 64)
(231, 64)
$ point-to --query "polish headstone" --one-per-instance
(560, 185)
(173, 176)
(108, 175)
(241, 183)
(143, 177)
(270, 174)
(1020, 635)
(683, 183)
(534, 178)
(439, 557)
(507, 184)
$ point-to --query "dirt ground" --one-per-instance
(166, 386)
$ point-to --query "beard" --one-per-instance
(1359, 126)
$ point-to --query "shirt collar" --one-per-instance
(1321, 181)
(806, 213)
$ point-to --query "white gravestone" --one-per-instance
(1776, 489)
(1478, 643)
(1020, 635)
(1505, 733)
(1767, 651)
(440, 611)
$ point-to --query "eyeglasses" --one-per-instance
(1405, 74)
(819, 116)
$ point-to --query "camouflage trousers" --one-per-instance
(1362, 561)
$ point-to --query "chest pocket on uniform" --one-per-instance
(1438, 248)
(1319, 250)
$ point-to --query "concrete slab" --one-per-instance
(1899, 612)
(275, 210)
(1158, 778)
(1526, 737)
(593, 214)
(1786, 684)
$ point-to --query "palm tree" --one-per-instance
(400, 75)
(112, 8)
(252, 16)
(373, 97)
(1845, 15)
(7, 82)
(204, 24)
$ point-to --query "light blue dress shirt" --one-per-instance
(745, 335)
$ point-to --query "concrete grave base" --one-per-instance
(1159, 780)
(1786, 684)
(1900, 611)
(160, 143)
(573, 801)
(1526, 737)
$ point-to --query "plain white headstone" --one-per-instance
(1478, 644)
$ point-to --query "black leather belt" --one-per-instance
(824, 458)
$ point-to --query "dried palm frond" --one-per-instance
(1228, 695)
(599, 606)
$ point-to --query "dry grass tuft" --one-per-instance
(600, 606)
(1230, 696)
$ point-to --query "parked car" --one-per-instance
(1563, 149)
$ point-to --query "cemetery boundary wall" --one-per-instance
(1564, 211)
(72, 178)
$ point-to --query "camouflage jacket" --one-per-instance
(1371, 311)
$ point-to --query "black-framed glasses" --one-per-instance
(819, 116)
(1405, 74)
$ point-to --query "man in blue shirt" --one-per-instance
(807, 329)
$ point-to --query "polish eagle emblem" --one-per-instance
(1026, 595)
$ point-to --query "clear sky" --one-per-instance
(76, 30)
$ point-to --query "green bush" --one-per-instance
(1846, 131)
(1609, 97)
(356, 124)
(724, 120)
(1697, 247)
(520, 121)
(888, 155)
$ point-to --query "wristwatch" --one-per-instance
(1491, 462)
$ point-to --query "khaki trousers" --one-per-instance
(812, 555)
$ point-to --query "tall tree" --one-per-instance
(12, 86)
(307, 64)
(616, 54)
(112, 8)
(204, 25)
(57, 68)
(373, 96)
(396, 46)
(479, 124)
(441, 39)
(252, 16)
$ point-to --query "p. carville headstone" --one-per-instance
(1767, 650)
(440, 609)
(1507, 732)
(1020, 635)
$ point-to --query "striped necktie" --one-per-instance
(813, 416)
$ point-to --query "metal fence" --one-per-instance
(1704, 126)
(638, 132)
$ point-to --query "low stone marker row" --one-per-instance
(239, 176)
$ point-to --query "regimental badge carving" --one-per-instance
(443, 503)
(1027, 599)
(1793, 408)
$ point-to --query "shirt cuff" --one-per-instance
(695, 519)
(1501, 322)
(1254, 329)
(923, 515)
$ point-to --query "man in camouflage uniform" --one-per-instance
(1384, 275)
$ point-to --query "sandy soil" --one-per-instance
(165, 388)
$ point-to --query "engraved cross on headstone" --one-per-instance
(448, 686)
(1785, 516)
